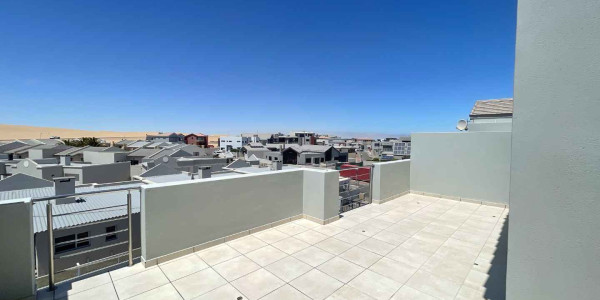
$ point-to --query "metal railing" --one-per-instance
(356, 189)
(50, 227)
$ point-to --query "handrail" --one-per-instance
(50, 228)
(47, 198)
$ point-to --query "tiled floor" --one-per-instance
(414, 247)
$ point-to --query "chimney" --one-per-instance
(64, 186)
(276, 165)
(205, 171)
(65, 160)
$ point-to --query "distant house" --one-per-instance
(166, 137)
(228, 143)
(196, 139)
(311, 154)
(261, 152)
(491, 115)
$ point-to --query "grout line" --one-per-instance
(113, 285)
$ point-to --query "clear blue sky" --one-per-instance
(385, 67)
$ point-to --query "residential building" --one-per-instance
(166, 137)
(491, 115)
(229, 143)
(196, 139)
(311, 154)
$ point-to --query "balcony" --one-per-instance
(412, 247)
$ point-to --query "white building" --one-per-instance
(233, 142)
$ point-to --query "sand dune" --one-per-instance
(10, 132)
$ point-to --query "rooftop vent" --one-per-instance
(64, 186)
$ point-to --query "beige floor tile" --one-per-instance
(329, 229)
(286, 292)
(270, 236)
(348, 293)
(433, 285)
(378, 223)
(361, 257)
(257, 284)
(376, 246)
(226, 292)
(313, 256)
(467, 293)
(476, 280)
(74, 287)
(236, 268)
(409, 257)
(199, 283)
(290, 245)
(165, 292)
(352, 238)
(418, 245)
(407, 292)
(183, 266)
(311, 237)
(340, 269)
(365, 229)
(390, 237)
(344, 223)
(306, 223)
(105, 291)
(140, 282)
(406, 227)
(375, 285)
(128, 271)
(291, 228)
(246, 244)
(218, 254)
(333, 246)
(266, 255)
(394, 270)
(447, 267)
(316, 284)
(288, 268)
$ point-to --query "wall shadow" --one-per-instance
(496, 283)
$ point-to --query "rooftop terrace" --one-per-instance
(413, 247)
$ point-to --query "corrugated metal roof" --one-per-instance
(494, 107)
(95, 201)
(138, 144)
(144, 152)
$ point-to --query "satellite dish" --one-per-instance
(165, 159)
(461, 125)
(26, 164)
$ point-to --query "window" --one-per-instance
(308, 160)
(111, 237)
(316, 160)
(74, 242)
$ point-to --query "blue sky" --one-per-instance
(376, 67)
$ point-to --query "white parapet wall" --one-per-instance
(466, 166)
(183, 217)
(17, 279)
(390, 180)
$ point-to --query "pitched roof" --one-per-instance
(21, 181)
(309, 148)
(160, 170)
(494, 107)
(139, 144)
(144, 152)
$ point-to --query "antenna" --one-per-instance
(461, 125)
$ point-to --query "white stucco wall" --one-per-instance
(554, 223)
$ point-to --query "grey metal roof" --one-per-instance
(494, 107)
(125, 142)
(20, 149)
(86, 215)
(310, 148)
(144, 152)
(139, 144)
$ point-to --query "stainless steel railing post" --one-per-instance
(129, 229)
(50, 247)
